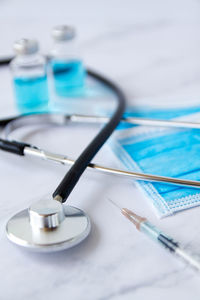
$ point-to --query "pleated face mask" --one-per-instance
(165, 152)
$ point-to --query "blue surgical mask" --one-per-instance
(165, 152)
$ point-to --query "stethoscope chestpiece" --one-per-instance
(48, 226)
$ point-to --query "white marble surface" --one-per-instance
(152, 48)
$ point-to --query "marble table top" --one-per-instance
(152, 49)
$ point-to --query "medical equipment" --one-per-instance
(47, 225)
(29, 70)
(67, 67)
(43, 119)
(163, 152)
(155, 234)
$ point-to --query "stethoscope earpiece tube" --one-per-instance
(13, 146)
(37, 227)
(71, 178)
(5, 61)
(4, 122)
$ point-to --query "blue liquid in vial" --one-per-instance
(69, 77)
(31, 93)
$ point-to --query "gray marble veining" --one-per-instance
(152, 48)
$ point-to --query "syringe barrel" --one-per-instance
(154, 233)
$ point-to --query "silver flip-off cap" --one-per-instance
(26, 46)
(63, 33)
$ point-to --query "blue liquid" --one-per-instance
(69, 77)
(31, 93)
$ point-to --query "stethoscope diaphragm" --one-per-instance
(48, 226)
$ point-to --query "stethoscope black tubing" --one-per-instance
(73, 175)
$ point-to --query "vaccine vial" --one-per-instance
(67, 67)
(29, 77)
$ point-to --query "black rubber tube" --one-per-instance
(4, 122)
(73, 175)
(5, 61)
(71, 178)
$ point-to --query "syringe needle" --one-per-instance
(135, 219)
(155, 234)
(115, 204)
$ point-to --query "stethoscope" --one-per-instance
(48, 225)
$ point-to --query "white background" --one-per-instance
(152, 48)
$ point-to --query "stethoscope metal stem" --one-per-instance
(45, 155)
(136, 121)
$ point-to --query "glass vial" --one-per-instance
(29, 77)
(67, 67)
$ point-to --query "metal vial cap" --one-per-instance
(26, 46)
(63, 33)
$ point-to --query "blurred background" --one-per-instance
(151, 47)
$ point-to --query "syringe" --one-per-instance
(143, 225)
